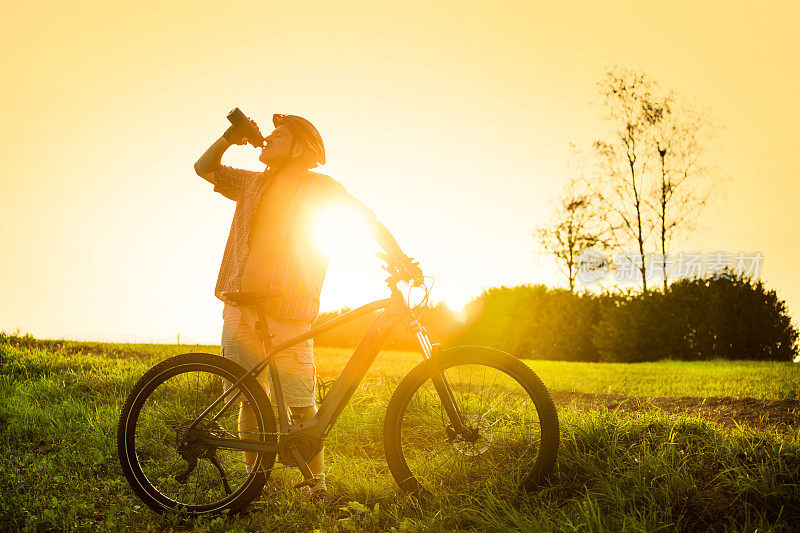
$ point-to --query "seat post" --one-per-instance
(263, 331)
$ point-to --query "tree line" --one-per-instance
(724, 316)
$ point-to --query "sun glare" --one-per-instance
(354, 274)
(454, 301)
(340, 230)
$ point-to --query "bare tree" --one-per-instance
(634, 108)
(683, 187)
(652, 164)
(577, 224)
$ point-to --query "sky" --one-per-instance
(450, 120)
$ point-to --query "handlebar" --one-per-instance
(402, 269)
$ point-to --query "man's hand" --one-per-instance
(412, 267)
(400, 264)
(235, 135)
(409, 268)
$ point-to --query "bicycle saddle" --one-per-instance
(248, 298)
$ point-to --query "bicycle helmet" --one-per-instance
(303, 129)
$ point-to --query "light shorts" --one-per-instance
(295, 364)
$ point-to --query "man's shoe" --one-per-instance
(318, 490)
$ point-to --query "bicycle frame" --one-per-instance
(396, 311)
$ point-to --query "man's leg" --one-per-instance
(247, 430)
(241, 344)
(317, 462)
(298, 377)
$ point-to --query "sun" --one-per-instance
(354, 275)
(455, 300)
(340, 230)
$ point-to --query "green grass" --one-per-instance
(755, 379)
(639, 472)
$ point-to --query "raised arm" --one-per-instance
(227, 181)
(211, 160)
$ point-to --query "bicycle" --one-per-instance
(464, 417)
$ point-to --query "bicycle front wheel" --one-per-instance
(512, 433)
(171, 467)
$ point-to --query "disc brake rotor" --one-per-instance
(478, 444)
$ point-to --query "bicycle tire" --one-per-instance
(143, 450)
(418, 436)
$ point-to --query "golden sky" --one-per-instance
(451, 120)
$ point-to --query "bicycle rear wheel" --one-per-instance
(170, 468)
(513, 425)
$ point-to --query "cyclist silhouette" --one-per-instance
(270, 248)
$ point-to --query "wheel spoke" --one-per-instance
(164, 449)
(499, 450)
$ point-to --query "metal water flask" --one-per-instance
(244, 126)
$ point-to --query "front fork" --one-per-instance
(439, 380)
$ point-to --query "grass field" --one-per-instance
(640, 471)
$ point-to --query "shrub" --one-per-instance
(717, 317)
(534, 321)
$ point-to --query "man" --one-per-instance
(270, 248)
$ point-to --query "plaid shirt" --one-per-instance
(301, 269)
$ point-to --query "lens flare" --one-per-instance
(340, 230)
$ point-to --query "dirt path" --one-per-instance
(725, 410)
